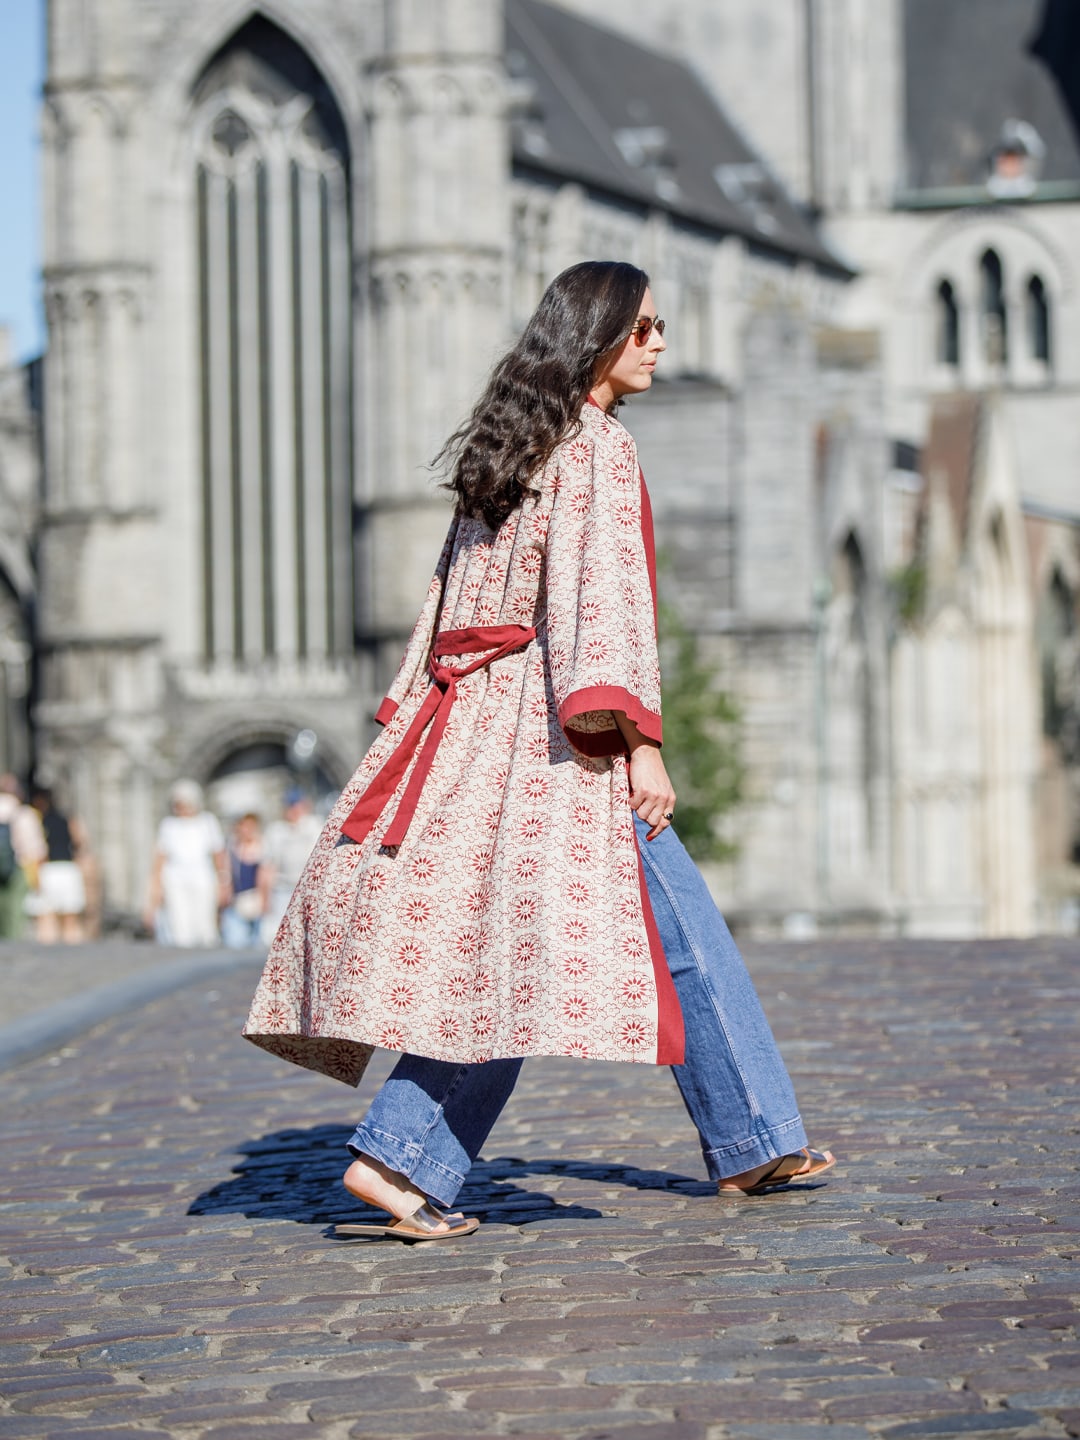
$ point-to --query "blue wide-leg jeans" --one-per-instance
(430, 1119)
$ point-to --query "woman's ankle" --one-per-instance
(372, 1181)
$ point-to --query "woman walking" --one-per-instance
(500, 878)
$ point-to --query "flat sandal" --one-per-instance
(803, 1164)
(422, 1224)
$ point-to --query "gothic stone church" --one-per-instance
(283, 244)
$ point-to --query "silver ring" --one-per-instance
(669, 814)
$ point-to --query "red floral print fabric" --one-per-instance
(511, 919)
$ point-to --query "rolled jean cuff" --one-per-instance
(779, 1140)
(437, 1182)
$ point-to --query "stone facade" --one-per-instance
(284, 243)
(959, 207)
(252, 289)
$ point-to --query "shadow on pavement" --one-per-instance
(296, 1175)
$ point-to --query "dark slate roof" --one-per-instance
(596, 108)
(968, 71)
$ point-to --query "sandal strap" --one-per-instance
(788, 1167)
(426, 1218)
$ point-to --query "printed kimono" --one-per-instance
(477, 890)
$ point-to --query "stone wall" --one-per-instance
(19, 501)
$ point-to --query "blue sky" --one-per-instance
(22, 45)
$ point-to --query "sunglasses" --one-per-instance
(643, 328)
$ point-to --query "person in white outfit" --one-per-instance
(189, 877)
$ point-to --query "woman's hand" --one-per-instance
(651, 795)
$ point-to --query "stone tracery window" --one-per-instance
(274, 297)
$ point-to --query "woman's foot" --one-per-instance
(801, 1165)
(376, 1184)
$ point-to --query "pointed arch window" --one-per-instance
(948, 326)
(849, 571)
(1055, 633)
(1038, 320)
(995, 329)
(274, 296)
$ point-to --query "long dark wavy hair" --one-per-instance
(534, 397)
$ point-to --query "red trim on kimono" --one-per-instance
(597, 744)
(386, 711)
(670, 1030)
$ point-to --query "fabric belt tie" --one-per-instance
(498, 640)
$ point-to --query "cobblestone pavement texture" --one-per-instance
(168, 1270)
(33, 977)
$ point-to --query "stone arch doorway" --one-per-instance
(248, 768)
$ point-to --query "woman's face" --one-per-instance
(629, 369)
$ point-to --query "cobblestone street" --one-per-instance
(168, 1268)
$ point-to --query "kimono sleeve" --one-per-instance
(418, 650)
(601, 607)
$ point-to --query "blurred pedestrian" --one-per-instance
(189, 876)
(289, 842)
(22, 850)
(59, 904)
(250, 878)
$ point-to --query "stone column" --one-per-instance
(857, 89)
(433, 283)
(103, 590)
